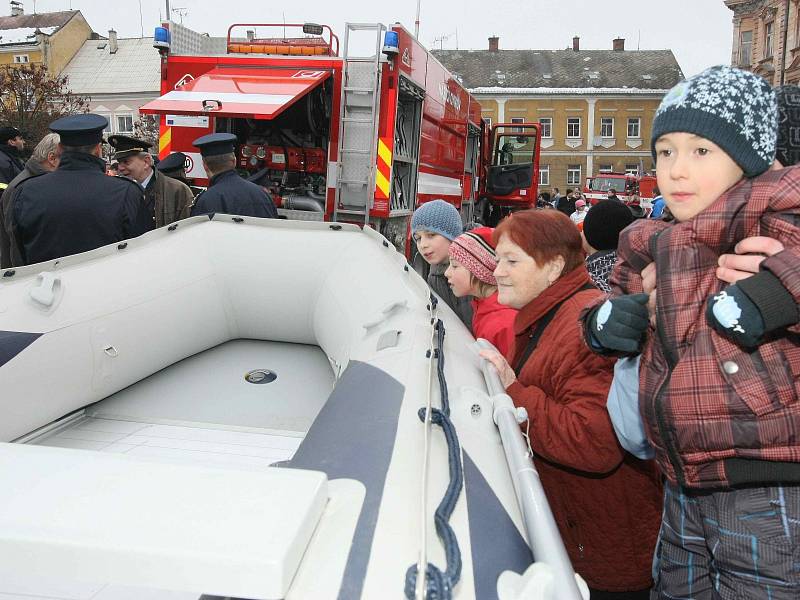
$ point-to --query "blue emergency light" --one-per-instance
(161, 38)
(391, 44)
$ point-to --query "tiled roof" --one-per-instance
(491, 72)
(54, 19)
(135, 67)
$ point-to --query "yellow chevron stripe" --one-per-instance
(382, 183)
(165, 140)
(384, 153)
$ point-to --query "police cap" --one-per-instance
(216, 143)
(174, 162)
(9, 133)
(127, 146)
(80, 130)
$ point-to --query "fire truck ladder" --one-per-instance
(358, 127)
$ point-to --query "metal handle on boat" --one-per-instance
(540, 526)
(210, 104)
(111, 351)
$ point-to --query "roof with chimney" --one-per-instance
(559, 71)
(134, 67)
(22, 29)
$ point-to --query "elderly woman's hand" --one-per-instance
(507, 375)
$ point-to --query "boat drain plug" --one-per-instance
(260, 376)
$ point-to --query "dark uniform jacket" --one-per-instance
(74, 209)
(9, 253)
(230, 194)
(167, 200)
(10, 163)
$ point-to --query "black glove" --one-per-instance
(736, 317)
(620, 323)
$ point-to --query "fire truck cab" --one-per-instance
(361, 134)
(626, 185)
(512, 170)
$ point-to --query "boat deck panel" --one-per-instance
(211, 447)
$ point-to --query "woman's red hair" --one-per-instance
(543, 235)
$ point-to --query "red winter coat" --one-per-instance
(607, 504)
(495, 323)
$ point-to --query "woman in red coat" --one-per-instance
(606, 502)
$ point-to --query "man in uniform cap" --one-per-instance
(227, 192)
(166, 200)
(11, 146)
(175, 166)
(76, 208)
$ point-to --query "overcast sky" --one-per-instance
(697, 31)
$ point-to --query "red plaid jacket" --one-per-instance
(718, 415)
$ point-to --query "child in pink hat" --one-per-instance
(472, 263)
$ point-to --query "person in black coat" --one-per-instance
(77, 207)
(11, 145)
(227, 192)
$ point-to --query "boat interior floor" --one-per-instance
(201, 410)
(204, 410)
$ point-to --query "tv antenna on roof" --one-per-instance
(181, 12)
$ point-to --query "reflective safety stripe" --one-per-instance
(3, 186)
(383, 171)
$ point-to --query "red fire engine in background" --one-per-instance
(626, 185)
(362, 137)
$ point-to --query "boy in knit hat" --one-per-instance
(720, 365)
(471, 274)
(601, 229)
(434, 226)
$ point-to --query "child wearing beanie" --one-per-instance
(720, 362)
(601, 229)
(472, 264)
(434, 226)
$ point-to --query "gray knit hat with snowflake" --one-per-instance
(734, 109)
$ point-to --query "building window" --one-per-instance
(574, 127)
(124, 123)
(768, 39)
(746, 48)
(606, 169)
(544, 174)
(574, 175)
(21, 59)
(517, 120)
(607, 127)
(634, 127)
(488, 121)
(547, 126)
(631, 169)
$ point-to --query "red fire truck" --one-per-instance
(626, 185)
(364, 136)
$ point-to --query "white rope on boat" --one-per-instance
(422, 564)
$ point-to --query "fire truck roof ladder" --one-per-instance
(358, 127)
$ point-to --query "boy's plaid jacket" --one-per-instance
(718, 415)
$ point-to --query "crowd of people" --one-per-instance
(62, 202)
(658, 358)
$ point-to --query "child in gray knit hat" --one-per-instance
(720, 362)
(434, 226)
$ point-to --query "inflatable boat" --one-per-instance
(239, 408)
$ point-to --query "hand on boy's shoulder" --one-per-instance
(750, 253)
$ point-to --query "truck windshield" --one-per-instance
(606, 183)
(514, 149)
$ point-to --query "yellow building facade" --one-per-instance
(583, 134)
(51, 39)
